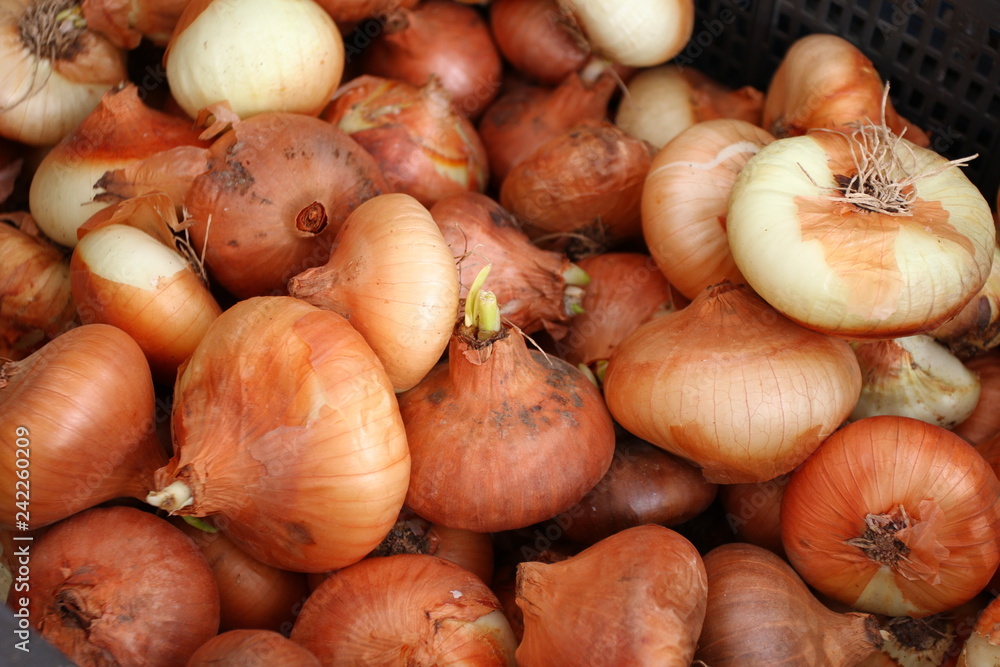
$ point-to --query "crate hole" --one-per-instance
(974, 92)
(784, 23)
(855, 28)
(984, 65)
(984, 137)
(993, 39)
(834, 14)
(939, 111)
(945, 11)
(950, 80)
(937, 39)
(994, 107)
(905, 54)
(916, 99)
(914, 25)
(927, 66)
(877, 40)
(812, 6)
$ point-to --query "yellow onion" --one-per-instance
(127, 22)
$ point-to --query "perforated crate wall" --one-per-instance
(942, 59)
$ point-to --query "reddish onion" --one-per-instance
(635, 598)
(404, 609)
(984, 422)
(80, 417)
(894, 516)
(299, 445)
(347, 12)
(441, 38)
(583, 187)
(252, 647)
(537, 289)
(753, 512)
(538, 39)
(119, 586)
(422, 145)
(11, 162)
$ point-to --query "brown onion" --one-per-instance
(252, 595)
(895, 516)
(127, 22)
(347, 12)
(538, 39)
(11, 162)
(404, 609)
(584, 187)
(523, 119)
(422, 145)
(643, 485)
(536, 289)
(984, 422)
(276, 191)
(252, 647)
(487, 427)
(731, 385)
(80, 414)
(637, 597)
(686, 197)
(753, 512)
(761, 613)
(285, 424)
(119, 586)
(444, 39)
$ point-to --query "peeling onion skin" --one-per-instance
(302, 452)
(761, 613)
(635, 598)
(850, 272)
(252, 647)
(119, 586)
(944, 552)
(86, 404)
(732, 386)
(407, 609)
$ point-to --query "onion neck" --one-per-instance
(173, 497)
(51, 29)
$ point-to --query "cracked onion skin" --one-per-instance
(120, 586)
(635, 598)
(407, 609)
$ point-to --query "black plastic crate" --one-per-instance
(941, 57)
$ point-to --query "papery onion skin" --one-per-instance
(685, 202)
(587, 182)
(538, 39)
(393, 276)
(258, 55)
(873, 467)
(120, 586)
(48, 87)
(252, 647)
(984, 422)
(484, 436)
(405, 609)
(423, 146)
(732, 386)
(445, 39)
(851, 272)
(299, 446)
(761, 613)
(976, 328)
(637, 597)
(82, 410)
(127, 22)
(265, 176)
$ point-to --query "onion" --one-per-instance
(80, 413)
(894, 516)
(625, 291)
(423, 146)
(861, 235)
(252, 595)
(824, 81)
(976, 328)
(522, 120)
(11, 162)
(285, 424)
(538, 39)
(119, 586)
(638, 33)
(271, 197)
(252, 647)
(128, 271)
(120, 131)
(643, 485)
(983, 645)
(637, 597)
(347, 12)
(257, 55)
(686, 198)
(55, 69)
(35, 293)
(444, 39)
(732, 386)
(753, 511)
(661, 102)
(127, 22)
(393, 276)
(487, 427)
(760, 613)
(536, 289)
(984, 421)
(584, 187)
(404, 609)
(914, 377)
